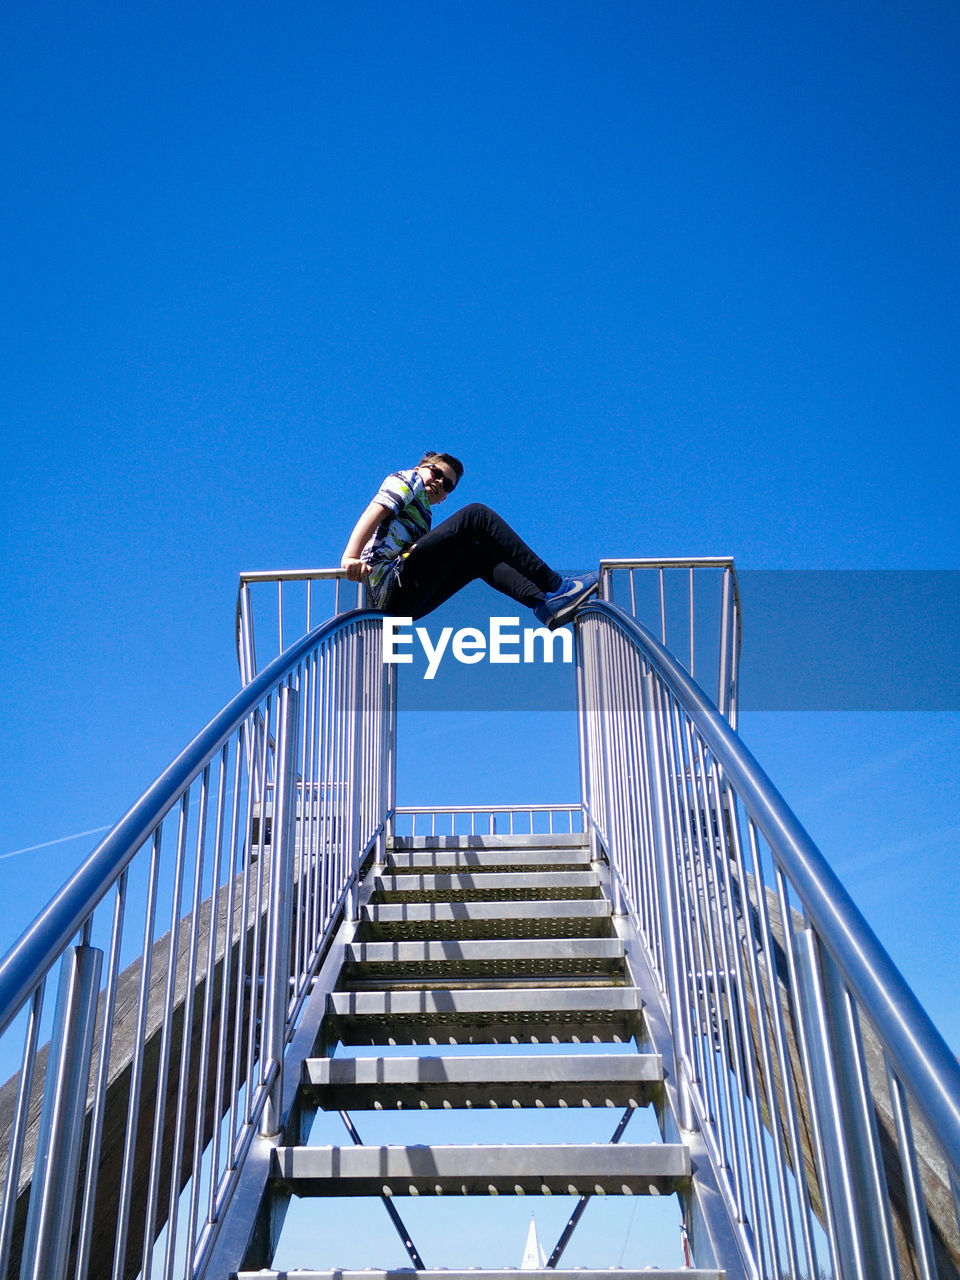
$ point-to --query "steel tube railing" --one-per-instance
(916, 1047)
(697, 820)
(721, 611)
(565, 819)
(303, 606)
(273, 821)
(47, 1235)
(25, 963)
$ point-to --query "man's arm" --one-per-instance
(362, 533)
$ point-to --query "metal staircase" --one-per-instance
(441, 954)
(267, 907)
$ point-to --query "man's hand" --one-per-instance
(356, 568)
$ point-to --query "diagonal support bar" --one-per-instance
(388, 1204)
(577, 1214)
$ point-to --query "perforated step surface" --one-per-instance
(577, 918)
(559, 1014)
(506, 959)
(488, 886)
(569, 1169)
(580, 1273)
(561, 1080)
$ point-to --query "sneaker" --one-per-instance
(559, 606)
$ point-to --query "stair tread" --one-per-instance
(477, 1273)
(488, 879)
(433, 962)
(489, 885)
(562, 1168)
(544, 908)
(485, 1000)
(485, 1015)
(484, 949)
(489, 1068)
(620, 1080)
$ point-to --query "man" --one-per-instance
(411, 568)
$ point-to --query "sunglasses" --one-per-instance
(448, 484)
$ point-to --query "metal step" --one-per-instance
(489, 860)
(490, 886)
(541, 918)
(511, 959)
(557, 1014)
(561, 1080)
(476, 1273)
(569, 1169)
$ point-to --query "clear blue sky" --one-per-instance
(671, 279)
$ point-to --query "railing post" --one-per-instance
(54, 1192)
(668, 900)
(248, 659)
(605, 700)
(390, 799)
(858, 1200)
(353, 764)
(596, 676)
(280, 922)
(723, 675)
(583, 736)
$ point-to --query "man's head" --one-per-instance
(441, 474)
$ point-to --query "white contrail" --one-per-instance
(45, 844)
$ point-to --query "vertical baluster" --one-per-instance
(203, 1062)
(219, 1106)
(276, 981)
(258, 873)
(186, 1034)
(166, 1037)
(691, 620)
(100, 1090)
(790, 1092)
(674, 975)
(136, 1065)
(919, 1220)
(46, 1242)
(723, 674)
(860, 1222)
(19, 1127)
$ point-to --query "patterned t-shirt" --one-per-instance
(404, 495)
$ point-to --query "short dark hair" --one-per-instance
(455, 465)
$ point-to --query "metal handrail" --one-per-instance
(277, 802)
(42, 942)
(681, 771)
(917, 1047)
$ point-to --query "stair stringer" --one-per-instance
(713, 1238)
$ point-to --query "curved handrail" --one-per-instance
(915, 1046)
(38, 946)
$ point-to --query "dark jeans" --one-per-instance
(474, 543)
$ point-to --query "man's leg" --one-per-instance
(474, 543)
